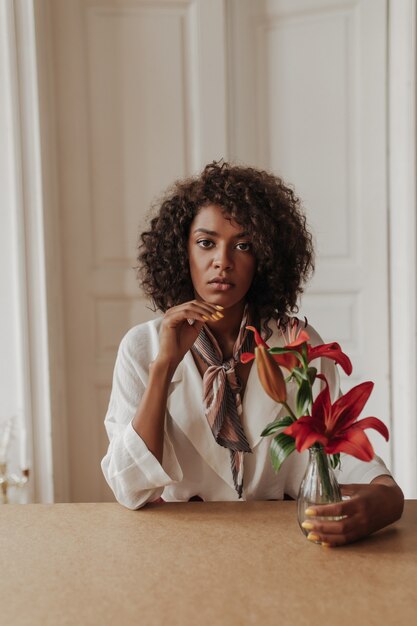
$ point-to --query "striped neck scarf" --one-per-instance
(221, 395)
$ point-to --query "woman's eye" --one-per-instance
(244, 246)
(205, 243)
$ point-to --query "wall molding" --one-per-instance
(46, 124)
(28, 210)
(403, 239)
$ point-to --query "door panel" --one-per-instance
(132, 82)
(320, 115)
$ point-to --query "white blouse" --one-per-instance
(193, 463)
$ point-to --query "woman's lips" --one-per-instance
(220, 286)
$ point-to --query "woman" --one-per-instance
(227, 249)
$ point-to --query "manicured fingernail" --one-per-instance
(307, 525)
(214, 317)
(205, 317)
(326, 545)
(313, 537)
(309, 512)
(219, 315)
(219, 307)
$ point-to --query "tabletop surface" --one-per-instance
(198, 564)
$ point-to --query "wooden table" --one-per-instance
(200, 564)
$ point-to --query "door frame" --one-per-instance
(36, 313)
(402, 173)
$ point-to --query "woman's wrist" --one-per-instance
(163, 367)
(394, 499)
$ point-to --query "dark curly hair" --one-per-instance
(258, 201)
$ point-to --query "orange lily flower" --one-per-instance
(335, 425)
(270, 375)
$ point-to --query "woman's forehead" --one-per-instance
(214, 218)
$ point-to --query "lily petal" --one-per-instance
(302, 337)
(322, 407)
(373, 422)
(246, 357)
(353, 442)
(347, 408)
(331, 351)
(258, 339)
(306, 431)
(287, 360)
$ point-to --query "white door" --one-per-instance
(142, 98)
(134, 84)
(314, 75)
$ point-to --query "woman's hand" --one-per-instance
(369, 508)
(177, 335)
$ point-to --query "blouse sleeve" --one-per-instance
(131, 470)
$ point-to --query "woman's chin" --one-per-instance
(226, 300)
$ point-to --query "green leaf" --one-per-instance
(281, 447)
(335, 460)
(276, 425)
(303, 397)
(311, 374)
(304, 351)
(299, 374)
(282, 351)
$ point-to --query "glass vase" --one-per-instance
(319, 485)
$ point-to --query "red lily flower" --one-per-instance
(335, 425)
(330, 351)
(297, 338)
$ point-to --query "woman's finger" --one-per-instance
(334, 533)
(337, 509)
(332, 540)
(195, 310)
(332, 527)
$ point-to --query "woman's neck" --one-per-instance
(227, 329)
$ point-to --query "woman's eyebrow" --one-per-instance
(214, 234)
(206, 231)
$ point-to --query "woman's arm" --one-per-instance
(177, 335)
(150, 417)
(369, 508)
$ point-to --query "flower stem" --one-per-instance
(290, 411)
(323, 468)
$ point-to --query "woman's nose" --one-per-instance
(222, 260)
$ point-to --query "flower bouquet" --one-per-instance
(323, 427)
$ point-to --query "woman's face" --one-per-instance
(222, 263)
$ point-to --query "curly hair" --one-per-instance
(258, 201)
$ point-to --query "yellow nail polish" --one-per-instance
(214, 317)
(307, 525)
(326, 545)
(220, 315)
(219, 307)
(309, 512)
(313, 537)
(205, 317)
